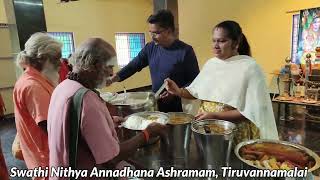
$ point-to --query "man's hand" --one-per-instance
(112, 79)
(156, 129)
(117, 120)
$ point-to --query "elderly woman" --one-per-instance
(31, 95)
(232, 86)
(98, 144)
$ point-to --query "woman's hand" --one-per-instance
(172, 87)
(205, 115)
(166, 96)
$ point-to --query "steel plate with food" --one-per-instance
(130, 99)
(108, 96)
(177, 118)
(273, 154)
(214, 127)
(133, 102)
(140, 121)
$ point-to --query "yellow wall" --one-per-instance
(7, 71)
(265, 23)
(3, 17)
(103, 18)
(86, 18)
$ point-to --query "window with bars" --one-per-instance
(128, 45)
(66, 38)
(294, 38)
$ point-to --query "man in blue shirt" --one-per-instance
(167, 57)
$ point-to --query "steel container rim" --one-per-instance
(143, 113)
(302, 148)
(233, 129)
(181, 114)
(154, 139)
(137, 105)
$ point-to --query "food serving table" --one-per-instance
(155, 155)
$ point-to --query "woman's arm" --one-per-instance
(185, 94)
(232, 115)
(173, 88)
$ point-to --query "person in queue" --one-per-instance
(167, 57)
(31, 96)
(232, 86)
(3, 167)
(65, 68)
(98, 144)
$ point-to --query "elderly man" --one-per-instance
(98, 144)
(31, 95)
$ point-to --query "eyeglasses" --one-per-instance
(156, 32)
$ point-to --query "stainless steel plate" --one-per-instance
(304, 149)
(108, 96)
(133, 99)
(145, 115)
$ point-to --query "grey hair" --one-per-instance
(91, 52)
(38, 48)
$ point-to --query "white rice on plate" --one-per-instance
(136, 122)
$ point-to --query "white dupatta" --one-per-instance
(238, 82)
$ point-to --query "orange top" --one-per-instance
(31, 96)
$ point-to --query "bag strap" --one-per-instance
(75, 121)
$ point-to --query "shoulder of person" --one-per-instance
(27, 84)
(252, 66)
(210, 63)
(250, 61)
(245, 57)
(150, 44)
(92, 94)
(183, 44)
(93, 97)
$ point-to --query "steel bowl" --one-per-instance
(297, 146)
(177, 141)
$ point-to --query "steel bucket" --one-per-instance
(177, 142)
(214, 148)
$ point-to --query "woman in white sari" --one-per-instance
(232, 87)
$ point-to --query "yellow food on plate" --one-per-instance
(273, 163)
(178, 120)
